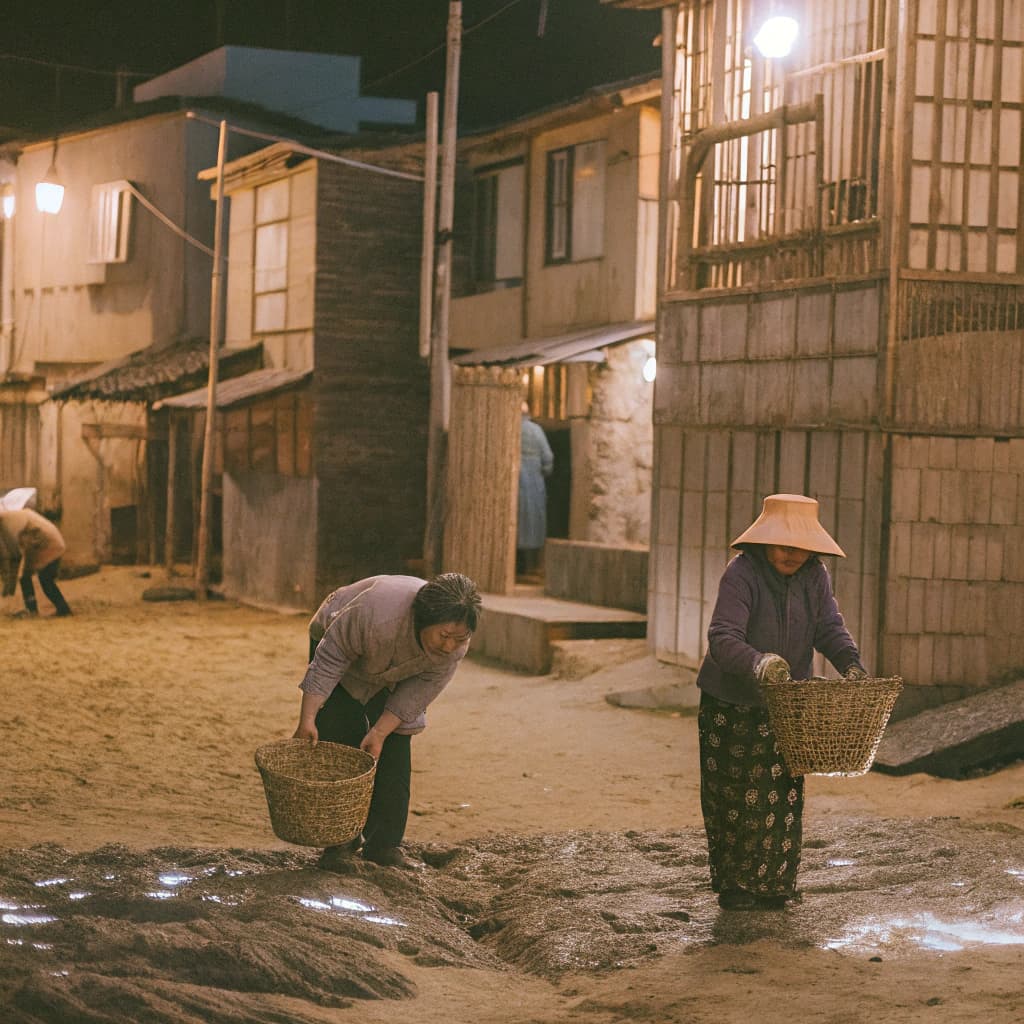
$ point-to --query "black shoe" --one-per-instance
(737, 899)
(775, 902)
(339, 858)
(389, 857)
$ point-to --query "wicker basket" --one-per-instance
(318, 796)
(830, 726)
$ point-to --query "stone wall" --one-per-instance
(620, 447)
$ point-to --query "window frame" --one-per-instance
(488, 222)
(566, 216)
(283, 222)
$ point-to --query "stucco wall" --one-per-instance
(69, 311)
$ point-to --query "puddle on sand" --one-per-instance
(926, 931)
(22, 918)
(172, 880)
(351, 908)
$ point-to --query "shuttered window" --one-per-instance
(109, 222)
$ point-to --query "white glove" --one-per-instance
(772, 668)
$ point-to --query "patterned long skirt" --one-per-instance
(752, 806)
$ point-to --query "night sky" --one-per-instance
(507, 69)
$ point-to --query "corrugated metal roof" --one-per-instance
(257, 384)
(562, 348)
(153, 373)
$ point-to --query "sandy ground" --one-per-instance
(126, 742)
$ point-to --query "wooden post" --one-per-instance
(440, 373)
(670, 131)
(172, 464)
(216, 284)
(429, 226)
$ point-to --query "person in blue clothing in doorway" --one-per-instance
(535, 465)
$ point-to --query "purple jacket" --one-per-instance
(759, 611)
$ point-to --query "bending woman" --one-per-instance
(775, 608)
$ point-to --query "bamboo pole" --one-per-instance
(216, 285)
(172, 462)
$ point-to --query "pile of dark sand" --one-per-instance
(264, 936)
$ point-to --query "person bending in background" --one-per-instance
(380, 651)
(30, 541)
(775, 608)
(535, 464)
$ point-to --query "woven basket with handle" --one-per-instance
(830, 726)
(317, 796)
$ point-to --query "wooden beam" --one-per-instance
(130, 431)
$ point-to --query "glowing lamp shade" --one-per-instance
(776, 36)
(50, 192)
(650, 369)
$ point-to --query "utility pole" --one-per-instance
(440, 370)
(216, 288)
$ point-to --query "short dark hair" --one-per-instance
(449, 597)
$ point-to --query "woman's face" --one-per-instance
(444, 638)
(786, 560)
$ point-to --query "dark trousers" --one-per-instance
(48, 581)
(343, 719)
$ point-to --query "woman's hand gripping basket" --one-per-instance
(830, 726)
(317, 796)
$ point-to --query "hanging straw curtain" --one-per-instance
(483, 476)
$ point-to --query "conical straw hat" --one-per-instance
(791, 521)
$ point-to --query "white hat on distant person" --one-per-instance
(790, 521)
(20, 497)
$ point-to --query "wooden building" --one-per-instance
(554, 303)
(841, 297)
(324, 448)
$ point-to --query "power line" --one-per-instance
(61, 66)
(441, 46)
(298, 147)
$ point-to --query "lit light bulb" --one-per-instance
(650, 370)
(50, 192)
(776, 36)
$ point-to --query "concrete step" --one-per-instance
(521, 629)
(978, 732)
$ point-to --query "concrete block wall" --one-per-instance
(954, 597)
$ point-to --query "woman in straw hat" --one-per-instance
(775, 607)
